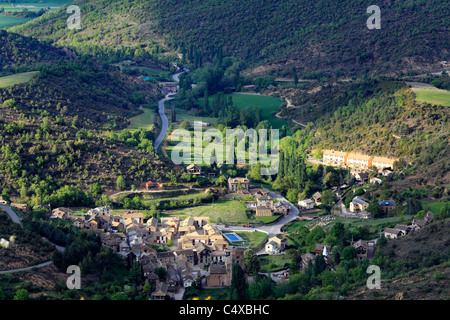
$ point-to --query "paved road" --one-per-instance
(15, 218)
(27, 268)
(164, 122)
(272, 229)
(162, 114)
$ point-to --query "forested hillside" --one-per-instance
(72, 86)
(313, 38)
(90, 94)
(413, 267)
(378, 118)
(22, 53)
(52, 127)
(41, 156)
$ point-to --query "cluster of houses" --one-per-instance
(365, 249)
(402, 230)
(190, 250)
(357, 160)
(311, 203)
(265, 206)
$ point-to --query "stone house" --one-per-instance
(238, 184)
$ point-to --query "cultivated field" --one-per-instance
(144, 121)
(18, 78)
(219, 211)
(8, 21)
(429, 94)
(268, 105)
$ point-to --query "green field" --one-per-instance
(144, 121)
(441, 98)
(253, 239)
(18, 78)
(221, 210)
(429, 94)
(147, 199)
(435, 206)
(7, 21)
(273, 262)
(294, 226)
(268, 105)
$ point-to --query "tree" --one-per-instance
(255, 173)
(96, 189)
(136, 275)
(147, 289)
(238, 284)
(161, 273)
(120, 183)
(374, 209)
(119, 296)
(332, 179)
(327, 197)
(319, 265)
(185, 125)
(349, 253)
(373, 172)
(251, 262)
(22, 294)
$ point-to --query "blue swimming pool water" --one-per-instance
(232, 237)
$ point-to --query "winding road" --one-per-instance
(15, 218)
(272, 229)
(162, 114)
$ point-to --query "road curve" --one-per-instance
(272, 229)
(162, 114)
(15, 218)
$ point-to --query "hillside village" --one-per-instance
(190, 250)
(196, 250)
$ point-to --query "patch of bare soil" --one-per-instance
(45, 278)
(20, 256)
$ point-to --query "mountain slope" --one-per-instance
(376, 117)
(305, 36)
(71, 85)
(17, 51)
(413, 267)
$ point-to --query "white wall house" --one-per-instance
(306, 204)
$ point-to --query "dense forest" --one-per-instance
(18, 53)
(61, 131)
(309, 37)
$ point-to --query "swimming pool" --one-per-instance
(233, 237)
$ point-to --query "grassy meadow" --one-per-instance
(144, 121)
(219, 211)
(8, 21)
(18, 78)
(429, 94)
(268, 105)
